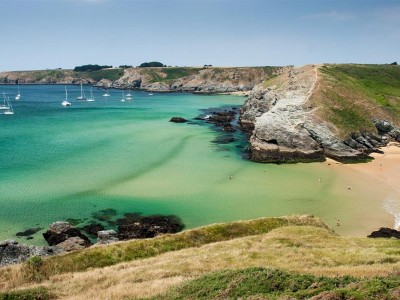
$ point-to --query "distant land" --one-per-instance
(204, 79)
(292, 114)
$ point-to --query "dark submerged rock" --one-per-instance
(148, 227)
(178, 120)
(29, 231)
(385, 233)
(93, 228)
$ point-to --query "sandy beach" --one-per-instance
(383, 174)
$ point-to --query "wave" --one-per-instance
(392, 206)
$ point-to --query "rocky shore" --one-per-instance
(284, 129)
(64, 237)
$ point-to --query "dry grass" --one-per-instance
(307, 249)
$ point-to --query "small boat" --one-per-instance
(9, 110)
(150, 94)
(123, 97)
(129, 93)
(5, 105)
(66, 102)
(82, 96)
(91, 99)
(18, 95)
(106, 94)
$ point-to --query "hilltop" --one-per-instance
(258, 259)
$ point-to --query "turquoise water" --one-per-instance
(69, 162)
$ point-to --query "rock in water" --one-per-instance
(385, 233)
(178, 120)
(62, 231)
(148, 227)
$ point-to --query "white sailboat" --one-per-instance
(5, 105)
(18, 95)
(91, 99)
(10, 110)
(82, 96)
(129, 93)
(123, 97)
(66, 102)
(106, 94)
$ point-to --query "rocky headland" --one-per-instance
(285, 123)
(204, 80)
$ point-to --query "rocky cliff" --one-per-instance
(172, 79)
(286, 123)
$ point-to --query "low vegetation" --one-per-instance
(352, 95)
(90, 68)
(263, 283)
(249, 260)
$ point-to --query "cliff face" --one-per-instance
(286, 123)
(194, 80)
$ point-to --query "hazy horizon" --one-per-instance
(48, 34)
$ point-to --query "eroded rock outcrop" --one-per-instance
(284, 129)
(66, 236)
(11, 252)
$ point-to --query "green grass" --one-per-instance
(110, 74)
(28, 294)
(356, 94)
(98, 257)
(262, 283)
(169, 74)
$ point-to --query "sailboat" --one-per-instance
(128, 96)
(82, 96)
(123, 97)
(91, 99)
(10, 110)
(6, 105)
(66, 102)
(129, 93)
(106, 94)
(18, 95)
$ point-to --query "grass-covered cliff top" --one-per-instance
(352, 95)
(241, 259)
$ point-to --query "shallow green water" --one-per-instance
(69, 162)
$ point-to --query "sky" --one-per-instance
(47, 34)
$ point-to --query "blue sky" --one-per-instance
(40, 34)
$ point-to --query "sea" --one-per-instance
(100, 160)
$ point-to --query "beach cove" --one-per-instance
(59, 163)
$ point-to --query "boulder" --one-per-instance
(62, 231)
(72, 244)
(385, 233)
(383, 126)
(178, 120)
(106, 237)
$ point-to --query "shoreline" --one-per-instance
(383, 172)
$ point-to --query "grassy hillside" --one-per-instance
(262, 283)
(220, 259)
(352, 95)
